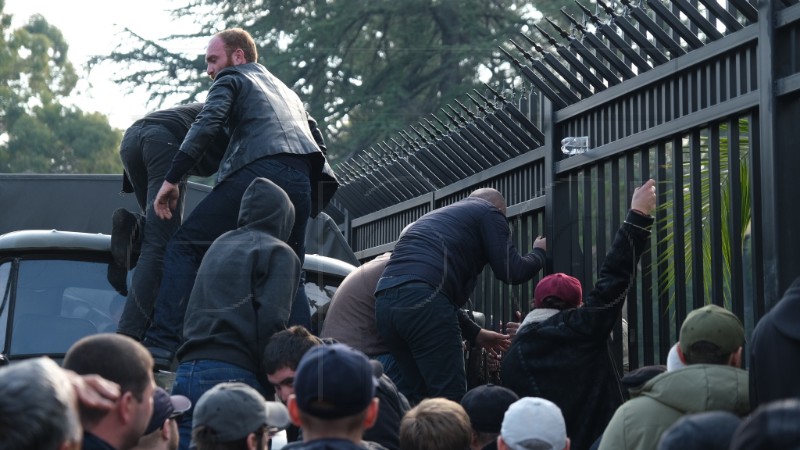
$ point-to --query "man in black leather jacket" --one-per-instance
(561, 351)
(271, 136)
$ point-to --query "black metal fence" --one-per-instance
(700, 96)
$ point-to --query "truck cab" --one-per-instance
(55, 290)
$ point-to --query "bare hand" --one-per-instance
(540, 242)
(644, 197)
(493, 361)
(166, 200)
(493, 341)
(94, 391)
(512, 327)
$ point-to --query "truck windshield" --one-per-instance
(60, 301)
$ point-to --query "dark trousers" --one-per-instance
(420, 327)
(146, 152)
(216, 214)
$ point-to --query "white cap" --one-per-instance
(534, 423)
(673, 360)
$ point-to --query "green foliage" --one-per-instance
(37, 133)
(366, 68)
(727, 207)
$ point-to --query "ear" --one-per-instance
(252, 442)
(372, 413)
(736, 359)
(501, 444)
(681, 356)
(566, 447)
(238, 56)
(294, 411)
(126, 407)
(166, 430)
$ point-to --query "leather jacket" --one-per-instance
(264, 117)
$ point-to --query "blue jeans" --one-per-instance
(194, 378)
(391, 369)
(216, 214)
(420, 327)
(146, 152)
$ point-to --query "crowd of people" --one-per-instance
(219, 297)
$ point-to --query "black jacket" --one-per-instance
(774, 354)
(565, 358)
(333, 444)
(243, 290)
(264, 117)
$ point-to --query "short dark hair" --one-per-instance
(204, 438)
(556, 303)
(285, 348)
(704, 352)
(237, 38)
(115, 357)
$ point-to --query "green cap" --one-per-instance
(712, 324)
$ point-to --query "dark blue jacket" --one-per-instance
(449, 247)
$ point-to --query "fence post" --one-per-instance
(778, 166)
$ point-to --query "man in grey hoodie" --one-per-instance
(242, 296)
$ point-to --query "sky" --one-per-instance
(91, 27)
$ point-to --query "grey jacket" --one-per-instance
(243, 291)
(639, 422)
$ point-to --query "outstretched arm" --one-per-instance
(619, 268)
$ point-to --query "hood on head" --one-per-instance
(266, 206)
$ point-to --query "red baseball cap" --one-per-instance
(560, 285)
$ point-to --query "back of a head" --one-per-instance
(704, 431)
(558, 291)
(115, 357)
(37, 407)
(710, 335)
(492, 196)
(486, 406)
(228, 413)
(334, 393)
(771, 426)
(286, 348)
(235, 38)
(435, 424)
(533, 423)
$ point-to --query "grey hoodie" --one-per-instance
(245, 285)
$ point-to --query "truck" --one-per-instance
(55, 257)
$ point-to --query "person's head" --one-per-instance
(435, 424)
(123, 360)
(492, 196)
(704, 431)
(558, 291)
(334, 393)
(533, 423)
(38, 408)
(162, 430)
(486, 405)
(772, 426)
(228, 48)
(282, 356)
(711, 335)
(234, 416)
